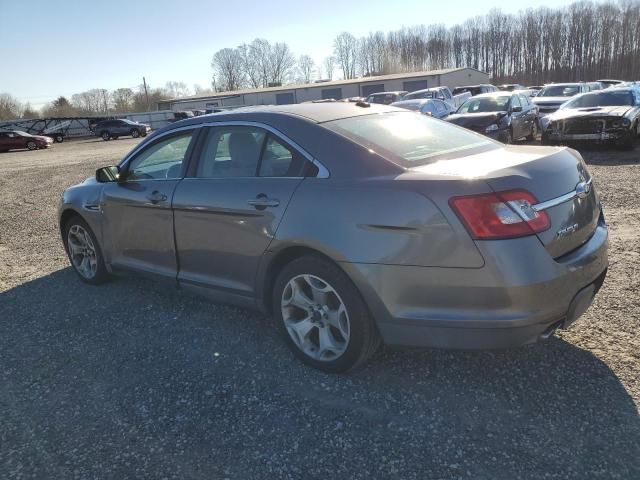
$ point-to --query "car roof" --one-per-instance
(565, 84)
(499, 93)
(311, 112)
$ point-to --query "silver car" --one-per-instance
(352, 225)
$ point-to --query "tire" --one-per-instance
(114, 137)
(143, 134)
(32, 146)
(362, 339)
(59, 138)
(534, 132)
(135, 133)
(92, 276)
(105, 135)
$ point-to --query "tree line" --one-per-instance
(582, 41)
(98, 101)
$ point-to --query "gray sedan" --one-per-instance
(352, 225)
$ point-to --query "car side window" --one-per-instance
(232, 151)
(515, 102)
(280, 160)
(441, 108)
(524, 101)
(161, 160)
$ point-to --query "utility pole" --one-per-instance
(146, 92)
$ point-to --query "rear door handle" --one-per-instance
(262, 201)
(156, 197)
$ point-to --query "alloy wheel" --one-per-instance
(32, 145)
(315, 317)
(82, 251)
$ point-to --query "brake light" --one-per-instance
(498, 215)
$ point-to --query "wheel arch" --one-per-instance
(67, 214)
(274, 265)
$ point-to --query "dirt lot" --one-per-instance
(135, 380)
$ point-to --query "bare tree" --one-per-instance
(122, 100)
(281, 63)
(329, 65)
(177, 89)
(305, 65)
(28, 112)
(345, 47)
(227, 67)
(10, 107)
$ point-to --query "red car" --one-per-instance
(17, 139)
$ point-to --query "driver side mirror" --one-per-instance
(108, 174)
(516, 109)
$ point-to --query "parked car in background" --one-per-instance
(527, 92)
(594, 86)
(427, 106)
(122, 127)
(609, 82)
(475, 89)
(439, 93)
(534, 87)
(553, 95)
(386, 98)
(610, 115)
(504, 116)
(17, 140)
(439, 237)
(509, 87)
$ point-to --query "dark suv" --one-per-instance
(108, 129)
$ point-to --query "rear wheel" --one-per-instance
(135, 133)
(59, 138)
(84, 251)
(32, 145)
(322, 316)
(105, 136)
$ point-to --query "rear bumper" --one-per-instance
(515, 299)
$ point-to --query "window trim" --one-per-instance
(124, 166)
(323, 172)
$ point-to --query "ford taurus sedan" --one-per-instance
(352, 225)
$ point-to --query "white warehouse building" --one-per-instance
(337, 89)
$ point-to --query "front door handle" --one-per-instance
(262, 201)
(156, 197)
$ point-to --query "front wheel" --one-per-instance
(105, 136)
(32, 145)
(84, 251)
(135, 133)
(322, 317)
(59, 138)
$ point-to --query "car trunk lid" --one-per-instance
(550, 174)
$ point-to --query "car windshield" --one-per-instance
(559, 91)
(410, 140)
(498, 103)
(601, 99)
(21, 133)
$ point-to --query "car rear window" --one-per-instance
(411, 140)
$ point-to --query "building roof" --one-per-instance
(336, 83)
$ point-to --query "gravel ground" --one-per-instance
(135, 380)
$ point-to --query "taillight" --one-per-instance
(491, 216)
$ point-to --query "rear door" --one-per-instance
(137, 216)
(229, 207)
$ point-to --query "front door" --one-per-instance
(228, 209)
(138, 220)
